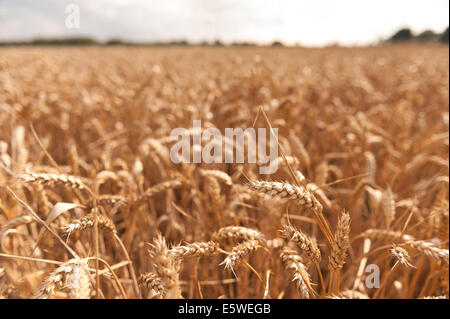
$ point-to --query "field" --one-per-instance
(92, 206)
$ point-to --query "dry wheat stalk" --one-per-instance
(43, 203)
(165, 267)
(280, 162)
(157, 189)
(320, 194)
(104, 223)
(21, 220)
(295, 263)
(350, 294)
(152, 281)
(275, 243)
(108, 199)
(151, 145)
(197, 249)
(388, 207)
(238, 232)
(401, 255)
(291, 160)
(371, 166)
(305, 160)
(288, 191)
(341, 243)
(321, 173)
(303, 242)
(72, 275)
(222, 176)
(300, 177)
(385, 234)
(239, 251)
(214, 190)
(429, 249)
(53, 179)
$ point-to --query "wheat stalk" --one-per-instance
(197, 249)
(303, 242)
(385, 234)
(222, 176)
(298, 193)
(388, 206)
(43, 203)
(165, 267)
(152, 281)
(350, 294)
(53, 179)
(104, 223)
(238, 232)
(239, 251)
(157, 189)
(429, 249)
(21, 220)
(341, 243)
(214, 190)
(284, 190)
(295, 263)
(401, 255)
(72, 275)
(108, 199)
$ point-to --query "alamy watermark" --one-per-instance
(373, 279)
(72, 20)
(228, 148)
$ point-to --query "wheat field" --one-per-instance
(91, 205)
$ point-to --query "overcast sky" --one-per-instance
(317, 22)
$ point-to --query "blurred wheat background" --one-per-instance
(85, 172)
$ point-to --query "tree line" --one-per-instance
(402, 35)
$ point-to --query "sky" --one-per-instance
(311, 23)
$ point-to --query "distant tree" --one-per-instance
(428, 35)
(218, 43)
(178, 42)
(115, 41)
(64, 41)
(402, 35)
(277, 44)
(444, 36)
(242, 44)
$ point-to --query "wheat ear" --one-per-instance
(157, 189)
(388, 207)
(429, 249)
(284, 190)
(222, 176)
(108, 199)
(73, 275)
(401, 255)
(295, 263)
(340, 244)
(209, 248)
(104, 223)
(152, 281)
(239, 251)
(165, 267)
(238, 232)
(350, 294)
(303, 242)
(53, 179)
